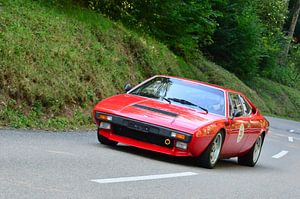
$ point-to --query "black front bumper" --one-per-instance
(142, 136)
(143, 131)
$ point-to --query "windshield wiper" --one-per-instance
(148, 95)
(153, 96)
(167, 99)
(183, 101)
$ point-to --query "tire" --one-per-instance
(251, 158)
(105, 141)
(210, 157)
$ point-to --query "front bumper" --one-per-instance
(143, 135)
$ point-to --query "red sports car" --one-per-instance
(182, 117)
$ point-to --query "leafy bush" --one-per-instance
(237, 41)
(182, 25)
(272, 14)
(289, 74)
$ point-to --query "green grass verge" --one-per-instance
(281, 100)
(58, 61)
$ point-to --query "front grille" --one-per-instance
(142, 136)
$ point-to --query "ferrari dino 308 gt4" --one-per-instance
(182, 117)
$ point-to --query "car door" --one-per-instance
(238, 127)
(254, 124)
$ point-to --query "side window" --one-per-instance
(230, 106)
(247, 108)
(235, 103)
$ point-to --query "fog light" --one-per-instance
(105, 125)
(181, 145)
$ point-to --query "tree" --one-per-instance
(237, 40)
(183, 25)
(295, 16)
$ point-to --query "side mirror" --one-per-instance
(237, 113)
(127, 88)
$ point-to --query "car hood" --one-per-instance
(156, 112)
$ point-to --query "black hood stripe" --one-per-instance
(156, 110)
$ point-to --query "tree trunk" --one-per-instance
(296, 11)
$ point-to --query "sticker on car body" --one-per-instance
(241, 133)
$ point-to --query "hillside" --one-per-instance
(58, 61)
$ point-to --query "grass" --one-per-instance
(280, 100)
(58, 61)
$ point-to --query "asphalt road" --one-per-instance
(37, 164)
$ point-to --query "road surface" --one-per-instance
(35, 164)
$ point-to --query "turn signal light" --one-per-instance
(104, 117)
(178, 136)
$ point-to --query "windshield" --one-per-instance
(185, 93)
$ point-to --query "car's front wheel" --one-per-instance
(105, 141)
(211, 155)
(251, 158)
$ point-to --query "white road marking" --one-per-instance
(139, 178)
(292, 131)
(278, 134)
(282, 135)
(59, 152)
(291, 139)
(279, 155)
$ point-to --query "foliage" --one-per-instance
(64, 59)
(288, 75)
(182, 25)
(280, 100)
(272, 13)
(294, 66)
(246, 35)
(237, 41)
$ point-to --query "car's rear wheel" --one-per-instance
(211, 155)
(251, 158)
(105, 141)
